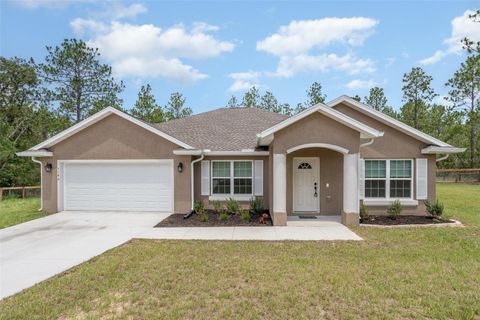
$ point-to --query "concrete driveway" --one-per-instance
(37, 250)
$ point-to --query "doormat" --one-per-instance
(307, 217)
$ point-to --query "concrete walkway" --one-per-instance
(39, 249)
(316, 233)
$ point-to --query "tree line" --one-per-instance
(38, 100)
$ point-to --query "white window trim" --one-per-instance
(388, 200)
(225, 196)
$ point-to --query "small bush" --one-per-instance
(223, 215)
(217, 206)
(434, 209)
(204, 216)
(233, 206)
(198, 207)
(363, 211)
(395, 209)
(256, 205)
(245, 215)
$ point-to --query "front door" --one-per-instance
(306, 184)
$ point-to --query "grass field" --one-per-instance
(14, 211)
(431, 273)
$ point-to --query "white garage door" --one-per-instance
(118, 186)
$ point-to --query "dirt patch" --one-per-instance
(177, 220)
(403, 220)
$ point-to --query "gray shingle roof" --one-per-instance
(224, 129)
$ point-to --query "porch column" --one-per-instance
(279, 215)
(351, 204)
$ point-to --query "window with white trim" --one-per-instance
(387, 179)
(232, 177)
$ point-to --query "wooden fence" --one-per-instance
(22, 192)
(471, 175)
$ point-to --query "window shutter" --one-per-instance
(361, 179)
(258, 183)
(422, 179)
(205, 177)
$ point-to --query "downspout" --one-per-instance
(367, 143)
(192, 177)
(442, 158)
(41, 182)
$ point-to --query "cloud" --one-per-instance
(289, 66)
(301, 36)
(244, 80)
(462, 27)
(119, 11)
(149, 51)
(51, 4)
(361, 84)
(297, 45)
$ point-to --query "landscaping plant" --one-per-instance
(395, 209)
(363, 211)
(256, 205)
(435, 209)
(198, 207)
(223, 215)
(233, 206)
(245, 215)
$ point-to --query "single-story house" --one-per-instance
(324, 161)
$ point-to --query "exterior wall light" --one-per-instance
(48, 167)
(180, 167)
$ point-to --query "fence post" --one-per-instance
(1, 194)
(23, 193)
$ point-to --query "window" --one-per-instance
(236, 173)
(388, 178)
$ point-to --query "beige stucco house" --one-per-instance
(322, 161)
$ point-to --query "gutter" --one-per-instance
(41, 182)
(367, 143)
(192, 186)
(442, 158)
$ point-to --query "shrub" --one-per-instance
(363, 211)
(434, 209)
(217, 206)
(223, 215)
(233, 206)
(198, 207)
(395, 209)
(245, 215)
(204, 216)
(256, 205)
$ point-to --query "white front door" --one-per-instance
(306, 184)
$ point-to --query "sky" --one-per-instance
(210, 51)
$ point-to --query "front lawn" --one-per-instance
(394, 274)
(14, 211)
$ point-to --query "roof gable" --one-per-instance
(385, 119)
(365, 131)
(96, 118)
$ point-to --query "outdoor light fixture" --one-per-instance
(180, 167)
(48, 167)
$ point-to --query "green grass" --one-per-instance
(431, 273)
(14, 211)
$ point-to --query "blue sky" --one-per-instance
(211, 50)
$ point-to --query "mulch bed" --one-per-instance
(402, 220)
(177, 220)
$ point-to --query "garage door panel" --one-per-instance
(135, 186)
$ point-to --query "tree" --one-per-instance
(465, 93)
(357, 97)
(175, 108)
(470, 45)
(77, 81)
(232, 102)
(315, 95)
(146, 108)
(251, 98)
(417, 91)
(376, 99)
(286, 109)
(270, 103)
